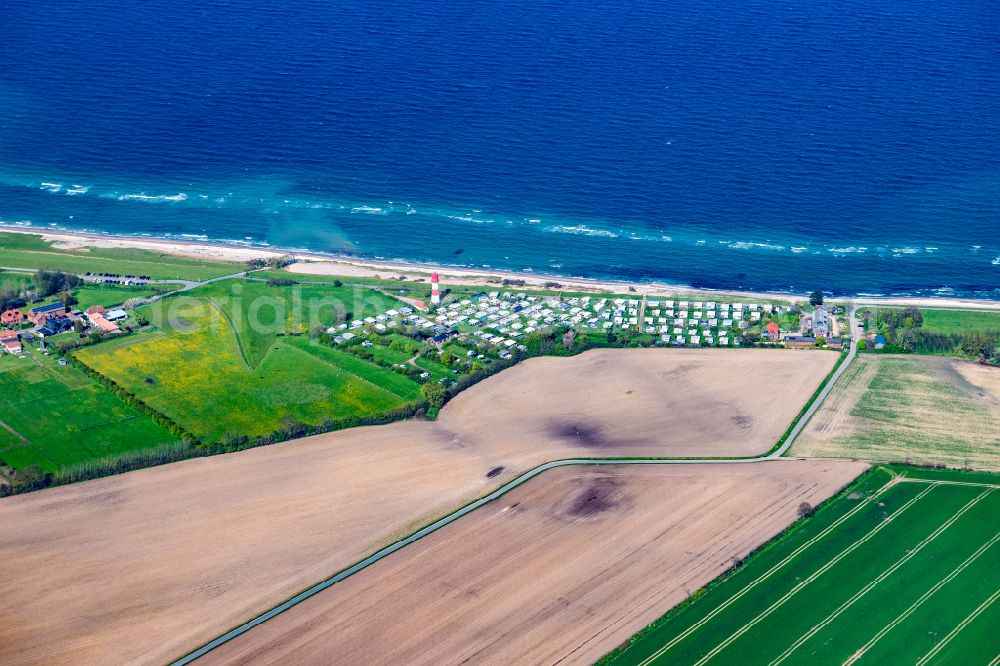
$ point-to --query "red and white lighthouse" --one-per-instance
(435, 289)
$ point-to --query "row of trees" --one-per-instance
(903, 333)
(271, 262)
(43, 284)
(53, 282)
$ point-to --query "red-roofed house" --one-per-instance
(10, 341)
(11, 317)
(96, 309)
(39, 315)
(772, 330)
(101, 322)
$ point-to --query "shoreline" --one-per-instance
(336, 265)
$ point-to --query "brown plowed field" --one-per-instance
(561, 570)
(141, 567)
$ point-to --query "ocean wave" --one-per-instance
(898, 251)
(847, 250)
(469, 218)
(580, 230)
(50, 187)
(78, 189)
(368, 210)
(150, 198)
(748, 245)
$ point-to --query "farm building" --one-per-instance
(800, 341)
(53, 326)
(39, 315)
(11, 317)
(820, 322)
(835, 343)
(100, 322)
(116, 315)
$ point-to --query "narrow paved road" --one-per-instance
(855, 336)
(186, 285)
(514, 483)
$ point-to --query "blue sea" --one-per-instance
(737, 144)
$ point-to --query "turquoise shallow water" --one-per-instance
(753, 145)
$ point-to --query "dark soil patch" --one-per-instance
(599, 495)
(494, 472)
(742, 421)
(581, 434)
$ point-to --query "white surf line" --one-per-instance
(957, 630)
(910, 554)
(919, 602)
(767, 574)
(816, 574)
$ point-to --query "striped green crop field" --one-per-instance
(901, 567)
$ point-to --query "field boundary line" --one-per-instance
(920, 601)
(16, 434)
(958, 629)
(239, 340)
(767, 574)
(816, 574)
(910, 554)
(978, 484)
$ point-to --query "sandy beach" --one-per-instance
(328, 265)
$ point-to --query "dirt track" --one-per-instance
(560, 570)
(142, 567)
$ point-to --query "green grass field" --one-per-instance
(378, 376)
(62, 417)
(908, 408)
(14, 279)
(30, 251)
(437, 370)
(959, 321)
(199, 365)
(901, 567)
(110, 295)
(260, 313)
(388, 355)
